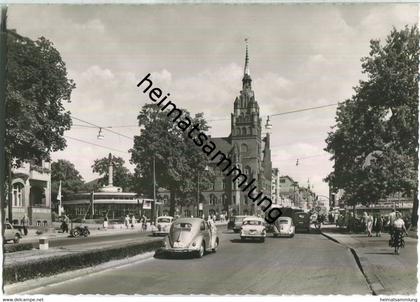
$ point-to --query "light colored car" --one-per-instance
(10, 233)
(237, 223)
(191, 235)
(284, 227)
(253, 228)
(163, 224)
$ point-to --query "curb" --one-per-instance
(373, 286)
(58, 264)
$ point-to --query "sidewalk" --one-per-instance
(387, 274)
(98, 231)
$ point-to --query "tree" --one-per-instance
(121, 175)
(374, 144)
(37, 85)
(177, 159)
(71, 180)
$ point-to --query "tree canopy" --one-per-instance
(37, 85)
(374, 143)
(71, 180)
(121, 175)
(178, 161)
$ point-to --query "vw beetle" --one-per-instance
(163, 224)
(253, 228)
(284, 227)
(190, 236)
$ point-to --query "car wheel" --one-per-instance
(201, 251)
(16, 239)
(216, 246)
(243, 238)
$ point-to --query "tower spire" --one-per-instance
(246, 68)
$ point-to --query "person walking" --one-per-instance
(378, 225)
(133, 221)
(106, 221)
(398, 230)
(127, 221)
(25, 224)
(369, 224)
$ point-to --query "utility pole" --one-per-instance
(3, 86)
(154, 191)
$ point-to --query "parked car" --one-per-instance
(163, 224)
(284, 227)
(10, 233)
(302, 222)
(253, 228)
(190, 235)
(237, 223)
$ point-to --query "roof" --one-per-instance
(222, 144)
(189, 220)
(253, 218)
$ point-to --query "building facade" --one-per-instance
(247, 149)
(31, 193)
(275, 186)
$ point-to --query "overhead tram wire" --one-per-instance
(100, 127)
(287, 112)
(97, 145)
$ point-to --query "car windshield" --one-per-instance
(252, 222)
(183, 226)
(164, 220)
(284, 221)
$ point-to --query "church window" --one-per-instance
(244, 148)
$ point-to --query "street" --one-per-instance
(305, 264)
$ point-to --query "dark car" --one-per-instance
(302, 221)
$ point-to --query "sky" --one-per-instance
(300, 56)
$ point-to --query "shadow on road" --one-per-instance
(246, 241)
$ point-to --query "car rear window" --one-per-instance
(283, 221)
(252, 222)
(183, 226)
(164, 220)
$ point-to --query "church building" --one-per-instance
(248, 150)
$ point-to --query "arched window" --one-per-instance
(248, 171)
(17, 195)
(213, 199)
(244, 148)
(243, 131)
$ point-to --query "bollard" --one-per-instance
(43, 243)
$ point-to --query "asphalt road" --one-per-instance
(305, 264)
(65, 241)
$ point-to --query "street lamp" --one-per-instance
(206, 168)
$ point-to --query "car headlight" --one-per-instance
(194, 243)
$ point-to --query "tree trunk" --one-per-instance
(414, 215)
(9, 189)
(172, 204)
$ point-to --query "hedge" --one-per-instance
(11, 248)
(58, 264)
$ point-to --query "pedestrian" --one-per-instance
(133, 221)
(398, 231)
(127, 221)
(106, 221)
(378, 225)
(25, 224)
(369, 224)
